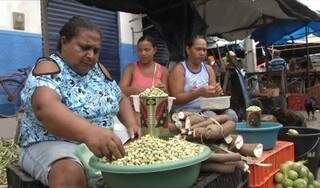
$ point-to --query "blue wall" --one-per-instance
(128, 54)
(17, 49)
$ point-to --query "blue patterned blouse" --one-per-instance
(92, 96)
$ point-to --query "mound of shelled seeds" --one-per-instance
(9, 152)
(153, 92)
(150, 150)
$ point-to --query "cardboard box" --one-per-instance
(274, 92)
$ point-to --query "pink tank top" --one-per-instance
(141, 81)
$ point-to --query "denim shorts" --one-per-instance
(38, 158)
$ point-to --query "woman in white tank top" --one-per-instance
(192, 79)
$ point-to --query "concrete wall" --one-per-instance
(128, 23)
(30, 9)
(18, 48)
(22, 48)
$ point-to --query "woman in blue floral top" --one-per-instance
(70, 98)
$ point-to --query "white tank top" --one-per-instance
(192, 80)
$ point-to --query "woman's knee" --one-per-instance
(66, 173)
(232, 114)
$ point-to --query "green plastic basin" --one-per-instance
(177, 174)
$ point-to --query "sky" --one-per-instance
(313, 4)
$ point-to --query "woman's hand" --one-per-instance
(103, 142)
(205, 91)
(161, 86)
(210, 91)
(134, 131)
(218, 90)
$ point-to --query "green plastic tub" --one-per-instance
(177, 174)
(266, 133)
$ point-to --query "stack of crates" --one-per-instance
(261, 176)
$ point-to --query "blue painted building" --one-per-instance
(17, 50)
(22, 48)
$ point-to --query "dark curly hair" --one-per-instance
(190, 41)
(71, 28)
(147, 38)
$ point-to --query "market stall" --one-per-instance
(223, 146)
(192, 149)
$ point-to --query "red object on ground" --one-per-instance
(262, 176)
(296, 101)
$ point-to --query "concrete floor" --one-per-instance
(7, 127)
(313, 123)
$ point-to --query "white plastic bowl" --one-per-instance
(215, 103)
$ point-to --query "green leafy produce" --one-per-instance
(285, 167)
(296, 175)
(278, 177)
(306, 179)
(310, 186)
(316, 184)
(9, 152)
(304, 172)
(296, 166)
(300, 183)
(310, 177)
(293, 174)
(279, 185)
(287, 182)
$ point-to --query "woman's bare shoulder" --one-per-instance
(105, 71)
(46, 66)
(177, 68)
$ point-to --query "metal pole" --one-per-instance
(308, 56)
(44, 28)
(132, 36)
(219, 53)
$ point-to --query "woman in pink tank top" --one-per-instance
(144, 73)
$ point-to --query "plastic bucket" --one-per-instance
(306, 144)
(265, 134)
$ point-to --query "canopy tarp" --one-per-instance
(177, 20)
(283, 31)
(237, 19)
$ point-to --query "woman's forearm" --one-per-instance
(184, 98)
(126, 113)
(131, 90)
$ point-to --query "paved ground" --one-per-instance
(313, 123)
(7, 127)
